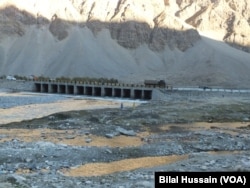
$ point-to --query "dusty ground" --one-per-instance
(95, 143)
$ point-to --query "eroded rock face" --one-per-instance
(157, 23)
(141, 22)
(130, 34)
(59, 28)
(230, 18)
(11, 21)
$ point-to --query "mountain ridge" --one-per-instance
(111, 44)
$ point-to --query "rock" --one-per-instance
(108, 151)
(28, 160)
(59, 28)
(103, 181)
(45, 144)
(145, 184)
(204, 167)
(5, 185)
(121, 186)
(50, 163)
(246, 119)
(109, 135)
(88, 182)
(51, 118)
(88, 140)
(70, 137)
(2, 136)
(125, 132)
(18, 178)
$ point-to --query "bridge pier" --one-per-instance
(132, 93)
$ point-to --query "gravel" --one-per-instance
(171, 132)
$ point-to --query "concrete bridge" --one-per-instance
(128, 91)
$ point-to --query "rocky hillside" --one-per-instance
(186, 42)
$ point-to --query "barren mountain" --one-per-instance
(185, 42)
